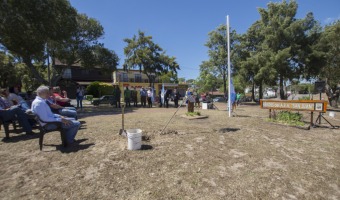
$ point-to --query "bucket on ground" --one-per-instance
(332, 114)
(134, 139)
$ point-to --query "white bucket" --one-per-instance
(134, 139)
(332, 114)
(204, 106)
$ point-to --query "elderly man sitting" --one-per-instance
(8, 112)
(41, 108)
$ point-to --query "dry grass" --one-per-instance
(243, 157)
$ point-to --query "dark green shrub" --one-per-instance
(93, 89)
(98, 89)
(289, 118)
(193, 114)
(304, 98)
(89, 97)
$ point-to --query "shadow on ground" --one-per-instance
(18, 135)
(227, 130)
(146, 147)
(70, 149)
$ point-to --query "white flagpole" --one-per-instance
(229, 82)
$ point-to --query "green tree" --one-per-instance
(83, 47)
(8, 75)
(52, 26)
(168, 77)
(330, 44)
(191, 81)
(218, 52)
(26, 27)
(251, 61)
(141, 52)
(287, 45)
(208, 79)
(13, 72)
(181, 80)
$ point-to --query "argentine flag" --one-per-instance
(232, 93)
(162, 94)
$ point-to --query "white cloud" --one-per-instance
(329, 20)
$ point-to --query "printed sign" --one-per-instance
(299, 105)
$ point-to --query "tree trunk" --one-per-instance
(282, 92)
(150, 79)
(36, 74)
(330, 95)
(224, 83)
(260, 91)
(253, 91)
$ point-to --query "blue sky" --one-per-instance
(181, 27)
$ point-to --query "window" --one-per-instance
(67, 74)
(123, 77)
(138, 78)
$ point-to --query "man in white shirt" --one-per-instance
(41, 108)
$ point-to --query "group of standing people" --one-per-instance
(165, 96)
(146, 95)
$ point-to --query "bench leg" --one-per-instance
(63, 138)
(6, 127)
(14, 125)
(41, 140)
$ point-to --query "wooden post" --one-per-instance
(311, 119)
(319, 118)
(190, 106)
(270, 113)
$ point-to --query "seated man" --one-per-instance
(16, 99)
(41, 108)
(57, 109)
(61, 97)
(8, 112)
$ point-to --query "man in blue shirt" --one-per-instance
(8, 112)
(41, 108)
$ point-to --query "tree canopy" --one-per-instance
(218, 52)
(330, 44)
(279, 47)
(287, 42)
(30, 29)
(142, 53)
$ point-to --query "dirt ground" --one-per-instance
(242, 157)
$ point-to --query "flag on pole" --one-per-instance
(232, 92)
(152, 94)
(162, 94)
